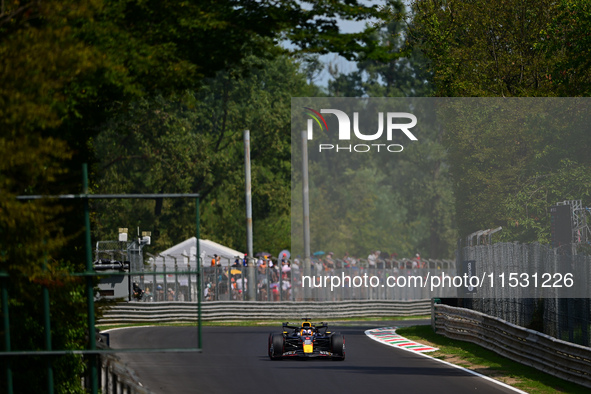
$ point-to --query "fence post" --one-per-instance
(165, 296)
(6, 326)
(89, 284)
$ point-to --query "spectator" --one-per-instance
(371, 260)
(273, 271)
(346, 260)
(285, 267)
(286, 289)
(147, 295)
(223, 279)
(207, 293)
(275, 290)
(329, 264)
(295, 273)
(319, 267)
(137, 292)
(159, 293)
(262, 292)
(241, 286)
(170, 295)
(262, 269)
(241, 283)
(420, 263)
(295, 267)
(416, 261)
(380, 259)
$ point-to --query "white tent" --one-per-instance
(184, 253)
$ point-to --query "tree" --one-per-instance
(417, 180)
(513, 159)
(566, 41)
(509, 159)
(481, 48)
(69, 66)
(398, 202)
(194, 144)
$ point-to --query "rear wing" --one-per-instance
(297, 326)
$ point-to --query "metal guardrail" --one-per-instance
(553, 356)
(139, 312)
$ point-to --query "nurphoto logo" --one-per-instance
(393, 124)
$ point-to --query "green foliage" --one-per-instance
(394, 202)
(31, 236)
(69, 69)
(513, 159)
(566, 39)
(416, 182)
(394, 69)
(482, 48)
(510, 160)
(194, 144)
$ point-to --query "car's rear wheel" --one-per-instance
(276, 344)
(337, 346)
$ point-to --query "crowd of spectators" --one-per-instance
(277, 278)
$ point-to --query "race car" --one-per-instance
(306, 340)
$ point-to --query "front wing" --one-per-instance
(294, 348)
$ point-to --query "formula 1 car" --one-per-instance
(306, 340)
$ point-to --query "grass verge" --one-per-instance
(488, 363)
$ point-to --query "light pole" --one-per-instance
(306, 202)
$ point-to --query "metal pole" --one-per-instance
(154, 283)
(89, 286)
(306, 202)
(248, 192)
(47, 327)
(250, 262)
(188, 276)
(6, 325)
(176, 277)
(197, 235)
(165, 280)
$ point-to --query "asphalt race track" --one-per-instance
(234, 360)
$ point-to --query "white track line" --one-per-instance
(450, 364)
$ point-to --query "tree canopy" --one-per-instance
(510, 160)
(72, 72)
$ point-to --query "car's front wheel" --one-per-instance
(276, 345)
(337, 346)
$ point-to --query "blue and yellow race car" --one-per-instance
(306, 340)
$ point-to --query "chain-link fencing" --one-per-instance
(543, 306)
(174, 279)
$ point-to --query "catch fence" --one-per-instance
(167, 281)
(563, 318)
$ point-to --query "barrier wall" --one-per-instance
(556, 357)
(142, 312)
